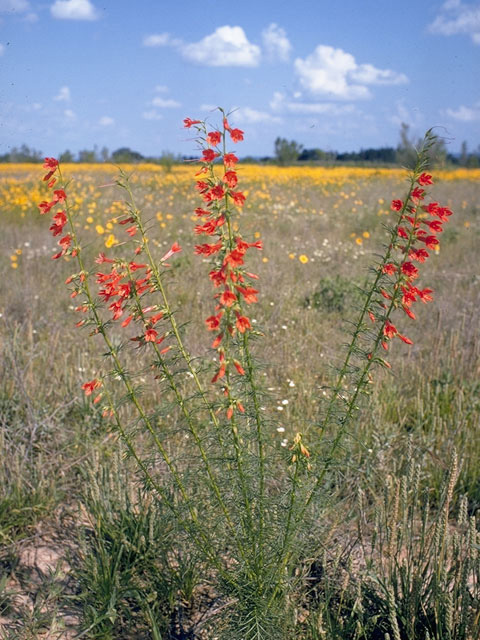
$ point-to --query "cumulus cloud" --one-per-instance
(165, 103)
(458, 17)
(106, 121)
(275, 42)
(225, 47)
(63, 95)
(74, 10)
(335, 73)
(465, 114)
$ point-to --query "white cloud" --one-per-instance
(161, 88)
(69, 114)
(165, 103)
(457, 17)
(106, 121)
(280, 102)
(248, 115)
(63, 95)
(276, 43)
(151, 115)
(14, 5)
(225, 47)
(157, 40)
(74, 10)
(335, 73)
(465, 114)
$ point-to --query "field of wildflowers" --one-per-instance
(185, 435)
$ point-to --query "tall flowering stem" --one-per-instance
(393, 291)
(217, 184)
(122, 289)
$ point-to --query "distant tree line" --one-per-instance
(286, 152)
(124, 154)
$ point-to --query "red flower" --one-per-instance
(59, 221)
(239, 367)
(404, 338)
(425, 179)
(424, 295)
(50, 163)
(418, 194)
(175, 248)
(214, 138)
(230, 159)
(207, 249)
(217, 192)
(389, 330)
(89, 387)
(238, 198)
(389, 269)
(226, 125)
(188, 122)
(213, 322)
(249, 293)
(209, 155)
(410, 270)
(236, 135)
(396, 205)
(150, 335)
(231, 179)
(59, 195)
(46, 206)
(243, 323)
(420, 255)
(228, 298)
(220, 373)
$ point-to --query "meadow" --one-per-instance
(83, 547)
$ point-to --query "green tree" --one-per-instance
(66, 156)
(287, 152)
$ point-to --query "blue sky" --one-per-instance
(334, 75)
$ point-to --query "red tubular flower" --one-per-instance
(389, 330)
(249, 294)
(220, 373)
(59, 195)
(243, 323)
(188, 122)
(236, 135)
(150, 335)
(425, 179)
(410, 270)
(417, 194)
(207, 249)
(89, 387)
(209, 155)
(239, 367)
(238, 198)
(420, 255)
(228, 298)
(389, 269)
(50, 163)
(175, 248)
(230, 159)
(217, 192)
(396, 205)
(214, 138)
(231, 179)
(213, 322)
